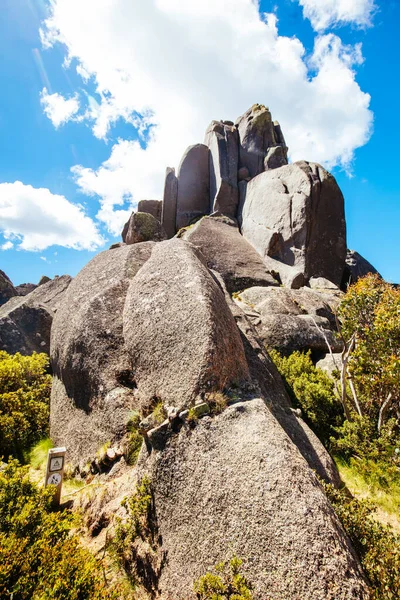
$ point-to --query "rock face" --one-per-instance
(93, 387)
(25, 288)
(227, 252)
(179, 332)
(193, 198)
(222, 139)
(291, 320)
(7, 290)
(176, 321)
(296, 215)
(25, 322)
(170, 198)
(143, 227)
(152, 207)
(262, 145)
(356, 267)
(236, 484)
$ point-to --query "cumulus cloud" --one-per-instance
(7, 246)
(169, 67)
(57, 108)
(35, 219)
(329, 13)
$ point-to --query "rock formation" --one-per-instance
(295, 214)
(258, 254)
(93, 388)
(25, 322)
(143, 227)
(356, 266)
(7, 290)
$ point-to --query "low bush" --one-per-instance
(377, 545)
(312, 390)
(225, 583)
(39, 557)
(24, 402)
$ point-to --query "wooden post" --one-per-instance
(55, 471)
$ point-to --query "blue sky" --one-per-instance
(97, 100)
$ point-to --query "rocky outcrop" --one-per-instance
(143, 227)
(356, 267)
(236, 484)
(262, 145)
(170, 198)
(223, 141)
(25, 322)
(44, 279)
(291, 320)
(152, 207)
(93, 387)
(227, 252)
(296, 215)
(193, 198)
(25, 288)
(7, 290)
(180, 335)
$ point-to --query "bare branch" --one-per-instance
(383, 410)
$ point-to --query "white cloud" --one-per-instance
(59, 109)
(37, 219)
(176, 65)
(329, 13)
(7, 246)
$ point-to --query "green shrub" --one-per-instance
(135, 439)
(377, 545)
(226, 583)
(373, 455)
(133, 539)
(312, 390)
(39, 558)
(24, 402)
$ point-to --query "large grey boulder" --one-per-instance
(7, 290)
(222, 139)
(93, 386)
(301, 205)
(193, 198)
(356, 267)
(227, 252)
(236, 484)
(143, 227)
(291, 320)
(180, 335)
(170, 197)
(262, 145)
(23, 289)
(25, 321)
(153, 207)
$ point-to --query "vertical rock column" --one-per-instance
(193, 198)
(261, 142)
(168, 216)
(222, 139)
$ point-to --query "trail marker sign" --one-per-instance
(55, 470)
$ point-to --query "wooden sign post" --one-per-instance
(55, 470)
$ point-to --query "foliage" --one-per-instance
(378, 546)
(39, 558)
(159, 413)
(370, 320)
(217, 402)
(135, 440)
(136, 527)
(227, 583)
(24, 402)
(312, 390)
(39, 453)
